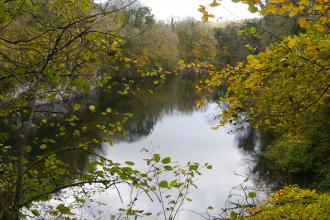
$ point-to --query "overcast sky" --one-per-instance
(164, 9)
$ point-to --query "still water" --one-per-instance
(165, 120)
(167, 123)
(188, 137)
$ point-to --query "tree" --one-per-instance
(156, 48)
(51, 53)
(196, 42)
(285, 89)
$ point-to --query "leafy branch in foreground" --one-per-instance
(278, 88)
(50, 54)
(163, 181)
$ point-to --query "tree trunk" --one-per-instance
(24, 135)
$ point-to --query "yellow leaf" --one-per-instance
(181, 63)
(215, 3)
(311, 50)
(293, 13)
(304, 2)
(291, 42)
(92, 108)
(276, 1)
(303, 22)
(205, 18)
(201, 8)
(320, 27)
(198, 104)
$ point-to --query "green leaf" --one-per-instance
(76, 107)
(99, 173)
(166, 160)
(233, 215)
(163, 184)
(127, 170)
(168, 167)
(156, 157)
(63, 209)
(43, 146)
(130, 163)
(28, 148)
(193, 167)
(35, 212)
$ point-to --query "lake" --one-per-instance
(167, 122)
(163, 119)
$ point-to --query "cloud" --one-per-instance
(164, 9)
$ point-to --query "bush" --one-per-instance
(292, 202)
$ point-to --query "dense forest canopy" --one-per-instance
(55, 55)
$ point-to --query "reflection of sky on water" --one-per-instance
(186, 137)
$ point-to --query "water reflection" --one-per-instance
(187, 137)
(176, 94)
(166, 120)
(148, 103)
(254, 145)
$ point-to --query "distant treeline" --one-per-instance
(163, 44)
